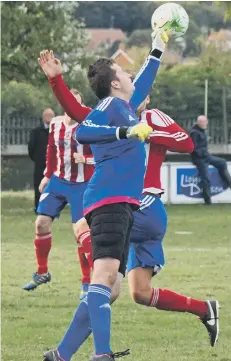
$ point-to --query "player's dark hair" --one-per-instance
(100, 76)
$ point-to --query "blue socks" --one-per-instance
(77, 332)
(100, 315)
(93, 314)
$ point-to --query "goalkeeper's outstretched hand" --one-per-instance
(159, 40)
(141, 131)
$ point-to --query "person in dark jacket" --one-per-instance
(201, 158)
(37, 147)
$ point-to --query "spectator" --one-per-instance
(202, 159)
(37, 150)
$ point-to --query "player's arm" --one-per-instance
(145, 78)
(168, 133)
(89, 159)
(86, 159)
(51, 153)
(97, 129)
(50, 159)
(66, 99)
(53, 69)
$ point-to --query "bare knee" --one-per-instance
(139, 280)
(137, 296)
(105, 271)
(141, 294)
(104, 277)
(80, 227)
(43, 224)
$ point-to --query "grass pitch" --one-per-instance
(198, 264)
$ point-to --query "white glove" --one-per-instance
(159, 40)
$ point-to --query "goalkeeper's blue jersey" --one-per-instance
(119, 164)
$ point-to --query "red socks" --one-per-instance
(168, 300)
(85, 255)
(42, 245)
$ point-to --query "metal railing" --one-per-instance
(15, 131)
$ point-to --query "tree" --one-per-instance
(180, 91)
(227, 7)
(31, 26)
(25, 100)
(139, 38)
(131, 16)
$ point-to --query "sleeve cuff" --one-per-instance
(55, 79)
(155, 54)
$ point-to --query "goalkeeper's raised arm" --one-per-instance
(144, 80)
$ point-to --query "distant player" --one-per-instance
(115, 188)
(69, 166)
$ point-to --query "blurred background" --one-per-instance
(195, 76)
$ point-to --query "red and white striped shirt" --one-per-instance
(166, 135)
(61, 147)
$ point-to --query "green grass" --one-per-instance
(197, 264)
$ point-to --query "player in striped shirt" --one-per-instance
(146, 255)
(69, 166)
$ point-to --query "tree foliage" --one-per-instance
(26, 100)
(179, 91)
(136, 15)
(227, 6)
(31, 26)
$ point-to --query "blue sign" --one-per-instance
(189, 182)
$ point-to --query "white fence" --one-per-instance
(182, 184)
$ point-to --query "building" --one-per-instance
(100, 37)
(122, 58)
(221, 39)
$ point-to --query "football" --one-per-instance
(172, 18)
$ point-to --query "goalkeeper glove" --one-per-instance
(140, 131)
(159, 41)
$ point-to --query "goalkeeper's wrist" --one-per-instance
(122, 132)
(156, 53)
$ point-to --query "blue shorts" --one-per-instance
(58, 193)
(148, 231)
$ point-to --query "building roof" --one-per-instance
(99, 36)
(124, 54)
(222, 34)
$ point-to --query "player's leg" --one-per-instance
(139, 279)
(79, 328)
(81, 232)
(110, 227)
(42, 245)
(83, 239)
(221, 166)
(50, 205)
(147, 258)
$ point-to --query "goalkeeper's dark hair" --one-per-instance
(100, 76)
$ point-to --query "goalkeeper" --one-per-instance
(113, 193)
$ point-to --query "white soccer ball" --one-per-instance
(172, 18)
